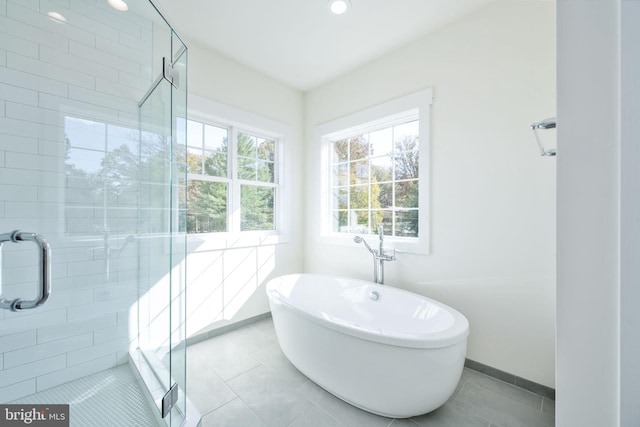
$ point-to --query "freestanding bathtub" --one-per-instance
(387, 351)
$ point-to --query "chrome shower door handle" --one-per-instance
(44, 271)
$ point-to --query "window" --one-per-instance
(215, 190)
(375, 164)
(374, 181)
(234, 179)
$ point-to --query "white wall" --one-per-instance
(492, 195)
(227, 285)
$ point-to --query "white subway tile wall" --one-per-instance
(69, 94)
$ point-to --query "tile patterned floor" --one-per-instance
(106, 399)
(242, 379)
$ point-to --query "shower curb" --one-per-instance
(205, 335)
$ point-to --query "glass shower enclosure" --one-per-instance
(92, 211)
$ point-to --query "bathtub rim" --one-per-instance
(455, 334)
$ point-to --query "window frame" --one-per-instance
(237, 121)
(413, 106)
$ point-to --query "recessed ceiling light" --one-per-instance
(56, 17)
(339, 6)
(119, 5)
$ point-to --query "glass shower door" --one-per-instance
(79, 168)
(178, 346)
(163, 249)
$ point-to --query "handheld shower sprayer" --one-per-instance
(359, 239)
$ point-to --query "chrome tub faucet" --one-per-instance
(380, 255)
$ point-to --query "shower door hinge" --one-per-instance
(169, 400)
(169, 73)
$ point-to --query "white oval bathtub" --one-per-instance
(399, 355)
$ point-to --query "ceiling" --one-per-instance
(300, 42)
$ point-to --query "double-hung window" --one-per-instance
(234, 176)
(376, 173)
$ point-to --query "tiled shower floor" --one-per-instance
(106, 399)
(242, 379)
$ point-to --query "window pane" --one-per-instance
(246, 145)
(384, 195)
(407, 164)
(194, 133)
(341, 221)
(381, 142)
(382, 168)
(181, 134)
(179, 160)
(407, 194)
(207, 204)
(359, 197)
(246, 168)
(341, 174)
(215, 138)
(358, 147)
(265, 171)
(410, 129)
(407, 223)
(341, 197)
(215, 163)
(266, 149)
(257, 208)
(360, 172)
(194, 160)
(340, 151)
(360, 222)
(384, 218)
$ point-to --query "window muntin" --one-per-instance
(216, 190)
(375, 180)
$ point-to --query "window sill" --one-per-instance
(401, 245)
(203, 242)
